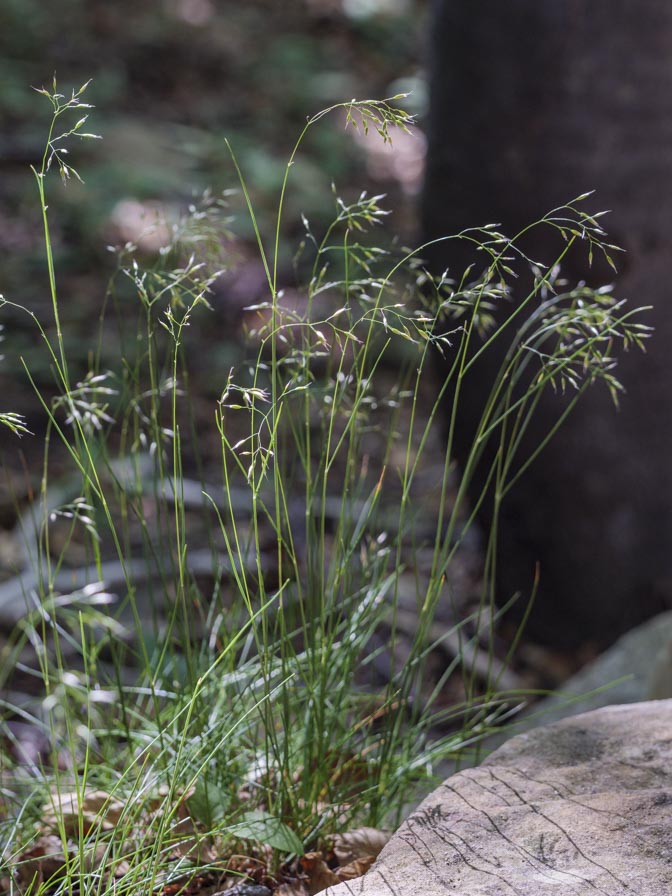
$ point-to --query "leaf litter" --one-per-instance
(76, 832)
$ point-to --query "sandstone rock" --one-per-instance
(581, 806)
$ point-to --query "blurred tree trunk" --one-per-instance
(534, 102)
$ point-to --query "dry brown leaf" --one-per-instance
(295, 888)
(96, 809)
(358, 843)
(42, 861)
(356, 868)
(319, 874)
(46, 860)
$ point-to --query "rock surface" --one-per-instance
(580, 806)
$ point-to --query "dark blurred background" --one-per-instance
(171, 80)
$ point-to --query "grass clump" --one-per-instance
(227, 680)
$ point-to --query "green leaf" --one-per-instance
(264, 828)
(208, 804)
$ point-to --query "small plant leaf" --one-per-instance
(208, 804)
(265, 828)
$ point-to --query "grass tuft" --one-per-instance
(224, 674)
